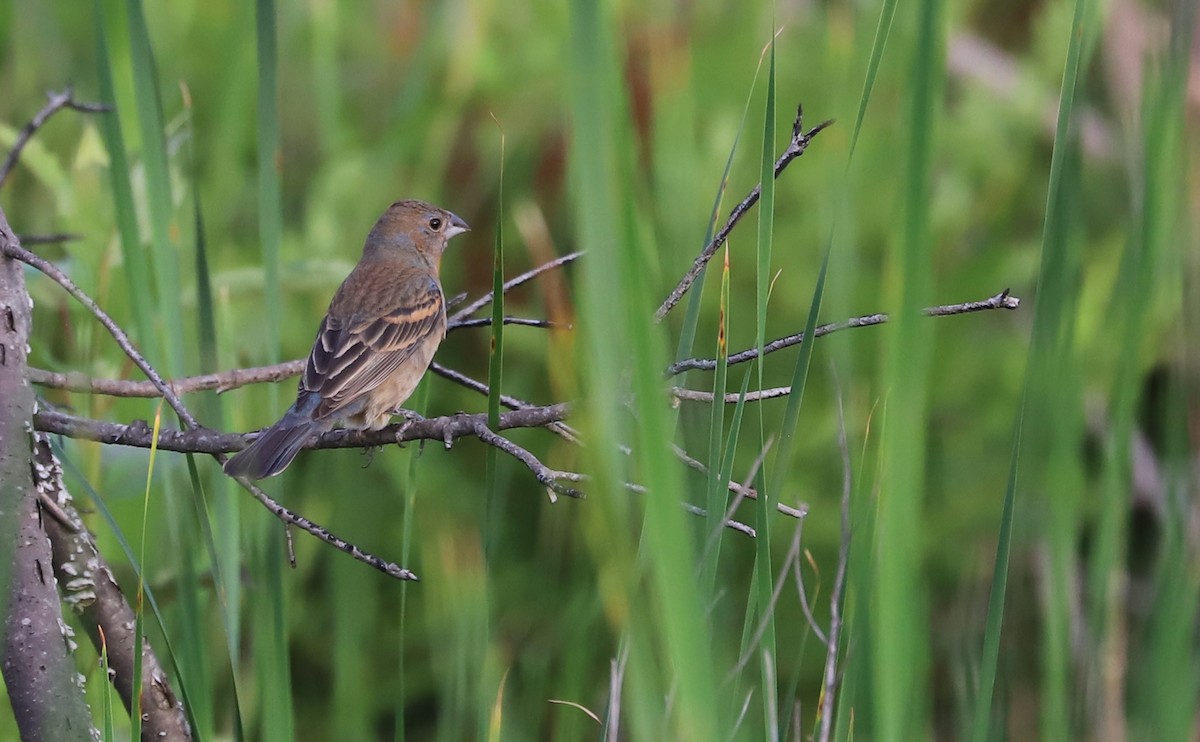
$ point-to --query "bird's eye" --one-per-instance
(435, 224)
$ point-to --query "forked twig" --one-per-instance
(796, 147)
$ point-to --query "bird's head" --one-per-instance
(414, 225)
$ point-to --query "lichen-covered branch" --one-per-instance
(87, 585)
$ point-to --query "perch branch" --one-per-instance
(189, 421)
(1003, 300)
(796, 147)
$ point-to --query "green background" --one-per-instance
(617, 123)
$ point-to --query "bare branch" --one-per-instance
(696, 395)
(521, 321)
(139, 434)
(547, 476)
(796, 147)
(512, 283)
(295, 519)
(56, 103)
(1003, 300)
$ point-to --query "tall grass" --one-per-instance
(620, 121)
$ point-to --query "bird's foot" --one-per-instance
(368, 455)
(410, 417)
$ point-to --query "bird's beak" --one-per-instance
(457, 226)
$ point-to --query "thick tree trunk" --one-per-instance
(44, 688)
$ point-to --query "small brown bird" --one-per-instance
(375, 342)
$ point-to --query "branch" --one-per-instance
(1003, 300)
(88, 587)
(795, 148)
(522, 321)
(56, 103)
(52, 271)
(696, 395)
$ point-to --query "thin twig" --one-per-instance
(805, 608)
(56, 103)
(738, 489)
(797, 145)
(697, 395)
(512, 283)
(729, 523)
(487, 322)
(1003, 300)
(741, 493)
(616, 682)
(48, 239)
(544, 474)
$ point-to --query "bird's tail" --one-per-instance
(275, 448)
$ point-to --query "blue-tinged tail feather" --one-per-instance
(272, 451)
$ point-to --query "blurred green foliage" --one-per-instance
(379, 101)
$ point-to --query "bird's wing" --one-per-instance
(354, 355)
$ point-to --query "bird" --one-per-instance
(375, 342)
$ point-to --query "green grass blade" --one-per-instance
(419, 402)
(182, 686)
(669, 648)
(687, 334)
(995, 614)
(139, 634)
(109, 732)
(600, 289)
(1049, 387)
(791, 416)
(158, 186)
(134, 261)
(1165, 698)
(272, 663)
(763, 587)
(900, 645)
(496, 492)
(718, 491)
(887, 12)
(270, 210)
